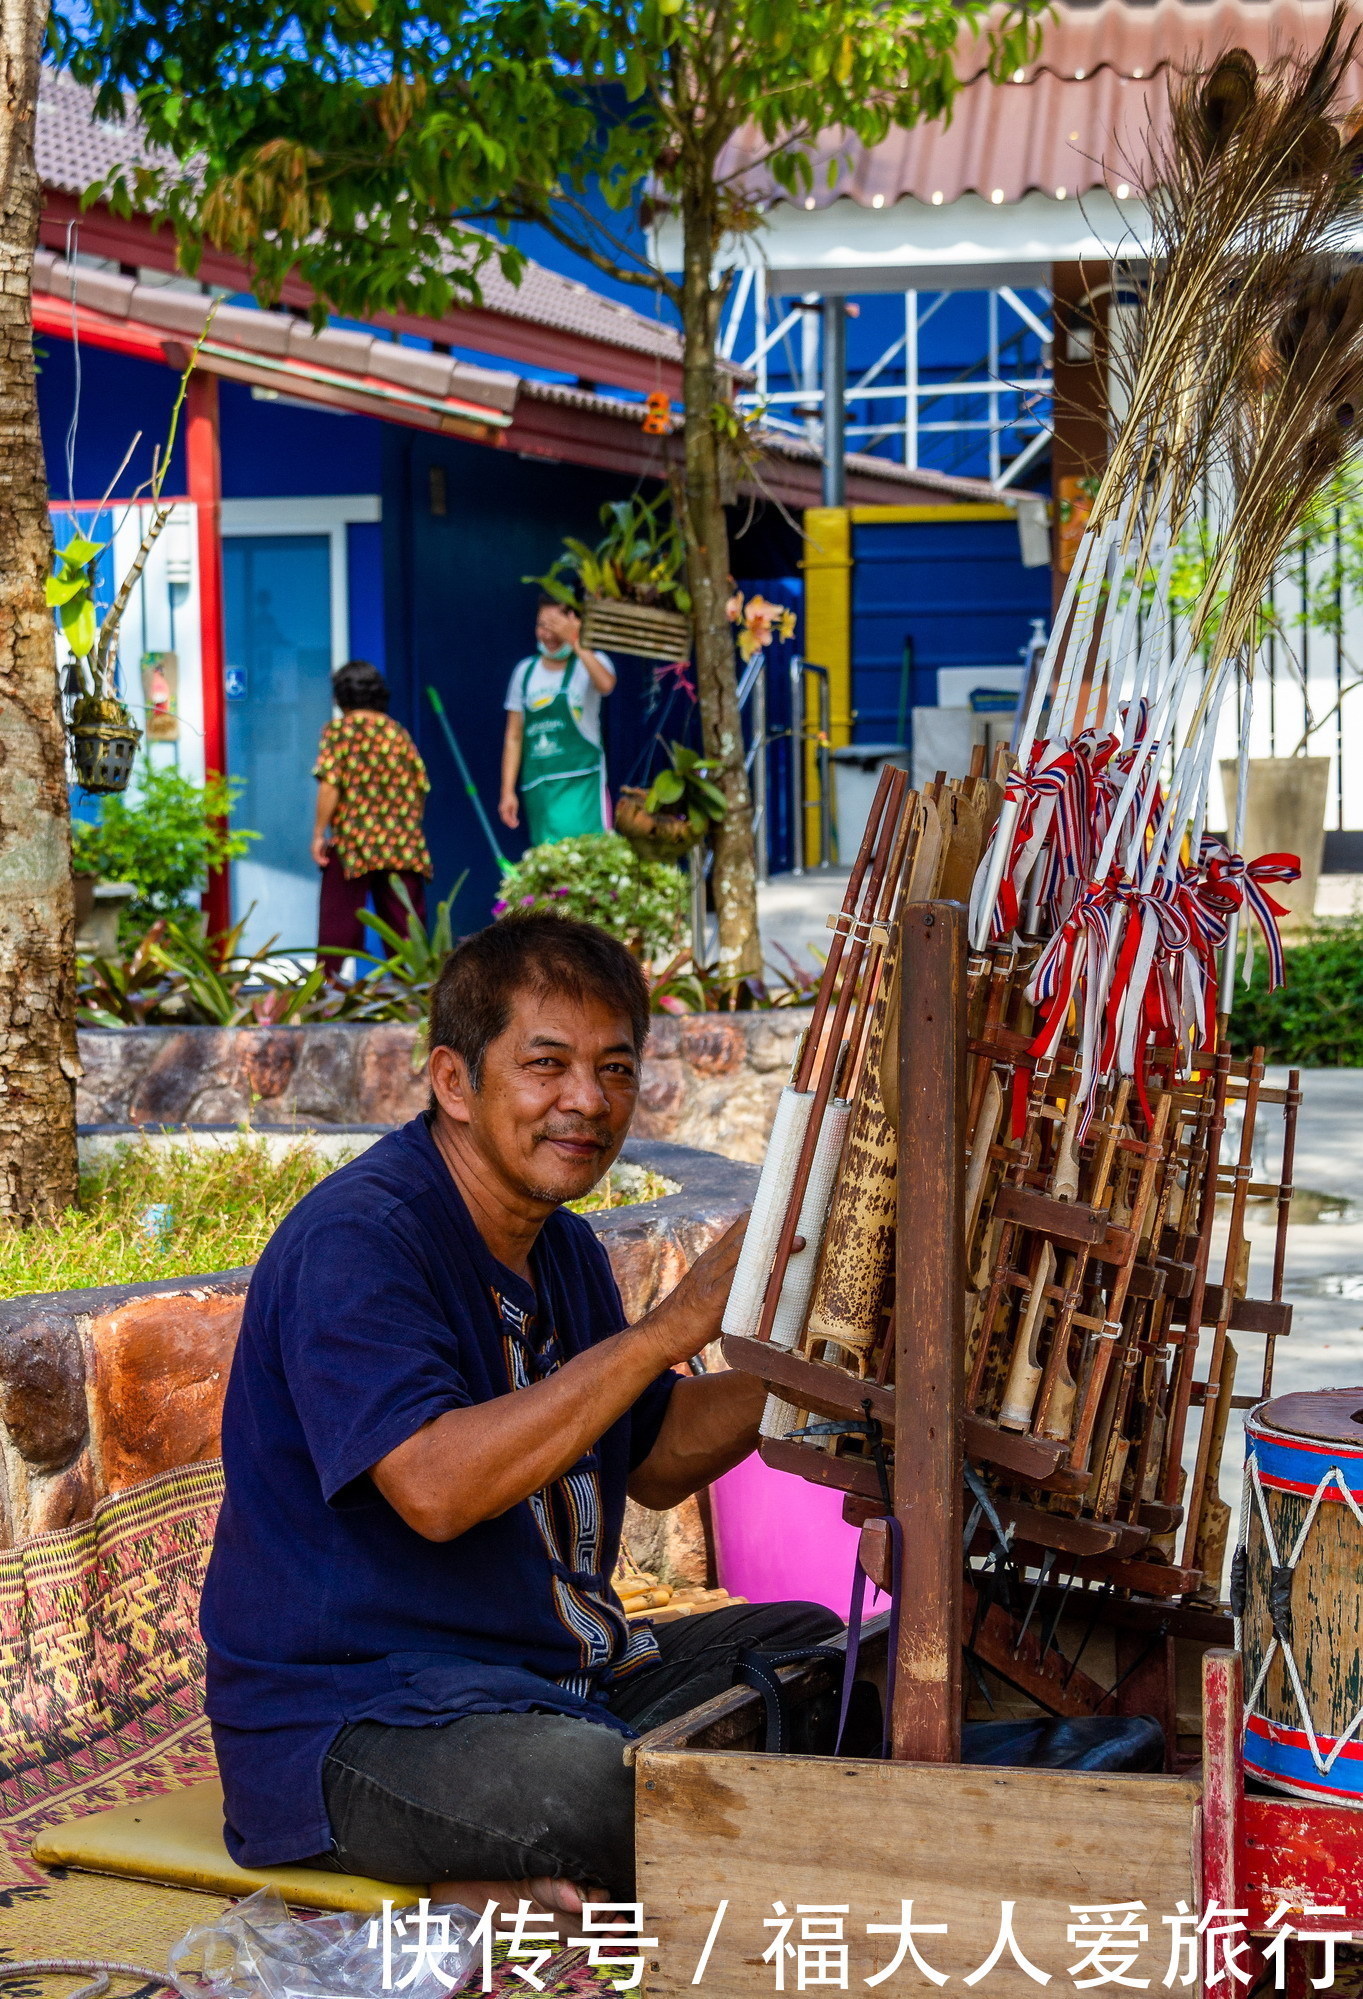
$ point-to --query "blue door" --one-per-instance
(277, 605)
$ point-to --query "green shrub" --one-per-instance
(221, 1204)
(163, 839)
(156, 1208)
(599, 878)
(1315, 1019)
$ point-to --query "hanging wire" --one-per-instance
(72, 241)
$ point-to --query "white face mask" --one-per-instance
(561, 652)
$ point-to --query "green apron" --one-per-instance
(560, 770)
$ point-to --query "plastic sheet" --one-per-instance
(257, 1950)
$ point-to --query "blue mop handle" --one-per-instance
(502, 862)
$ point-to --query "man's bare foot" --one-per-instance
(547, 1897)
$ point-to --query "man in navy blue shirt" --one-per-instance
(417, 1668)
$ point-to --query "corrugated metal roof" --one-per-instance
(1080, 117)
(74, 149)
(780, 444)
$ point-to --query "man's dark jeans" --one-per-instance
(500, 1797)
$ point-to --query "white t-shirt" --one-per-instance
(545, 682)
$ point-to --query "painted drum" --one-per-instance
(1295, 1590)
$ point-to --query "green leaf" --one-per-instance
(78, 625)
(80, 551)
(667, 787)
(61, 589)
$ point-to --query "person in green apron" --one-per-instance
(552, 745)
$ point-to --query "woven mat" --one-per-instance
(94, 1916)
(101, 1703)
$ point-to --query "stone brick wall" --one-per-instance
(308, 1076)
(710, 1080)
(102, 1388)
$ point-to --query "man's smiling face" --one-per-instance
(553, 1104)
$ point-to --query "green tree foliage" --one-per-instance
(1315, 1019)
(371, 145)
(163, 839)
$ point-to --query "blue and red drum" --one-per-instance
(1297, 1593)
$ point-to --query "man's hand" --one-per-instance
(321, 850)
(508, 809)
(690, 1315)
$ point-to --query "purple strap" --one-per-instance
(855, 1613)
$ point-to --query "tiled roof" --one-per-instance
(75, 149)
(252, 345)
(1078, 118)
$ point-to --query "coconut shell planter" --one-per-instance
(104, 740)
(658, 836)
(646, 630)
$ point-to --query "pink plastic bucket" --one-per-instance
(780, 1539)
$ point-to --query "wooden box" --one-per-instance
(719, 1822)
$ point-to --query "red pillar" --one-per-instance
(204, 465)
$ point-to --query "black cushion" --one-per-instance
(1080, 1742)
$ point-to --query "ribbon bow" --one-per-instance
(1231, 881)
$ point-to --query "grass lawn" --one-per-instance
(164, 1210)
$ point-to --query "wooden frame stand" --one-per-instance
(929, 1331)
(724, 1834)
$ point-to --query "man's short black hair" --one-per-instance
(548, 601)
(359, 684)
(538, 953)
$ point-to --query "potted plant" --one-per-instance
(676, 812)
(629, 587)
(104, 736)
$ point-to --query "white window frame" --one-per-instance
(329, 514)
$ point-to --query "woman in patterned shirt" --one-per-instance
(371, 794)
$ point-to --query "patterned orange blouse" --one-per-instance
(378, 771)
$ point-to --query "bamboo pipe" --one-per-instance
(998, 1278)
(1231, 1270)
(1187, 1353)
(1158, 1385)
(893, 793)
(811, 1051)
(790, 1126)
(1091, 1398)
(1074, 1285)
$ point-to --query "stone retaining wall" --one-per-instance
(102, 1388)
(710, 1080)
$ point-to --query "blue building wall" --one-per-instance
(438, 598)
(275, 449)
(270, 449)
(954, 592)
(110, 397)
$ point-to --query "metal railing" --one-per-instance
(801, 735)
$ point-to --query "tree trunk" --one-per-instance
(38, 1062)
(707, 552)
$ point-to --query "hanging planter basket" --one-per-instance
(658, 836)
(104, 741)
(646, 630)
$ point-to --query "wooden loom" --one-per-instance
(724, 1831)
(1075, 1275)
